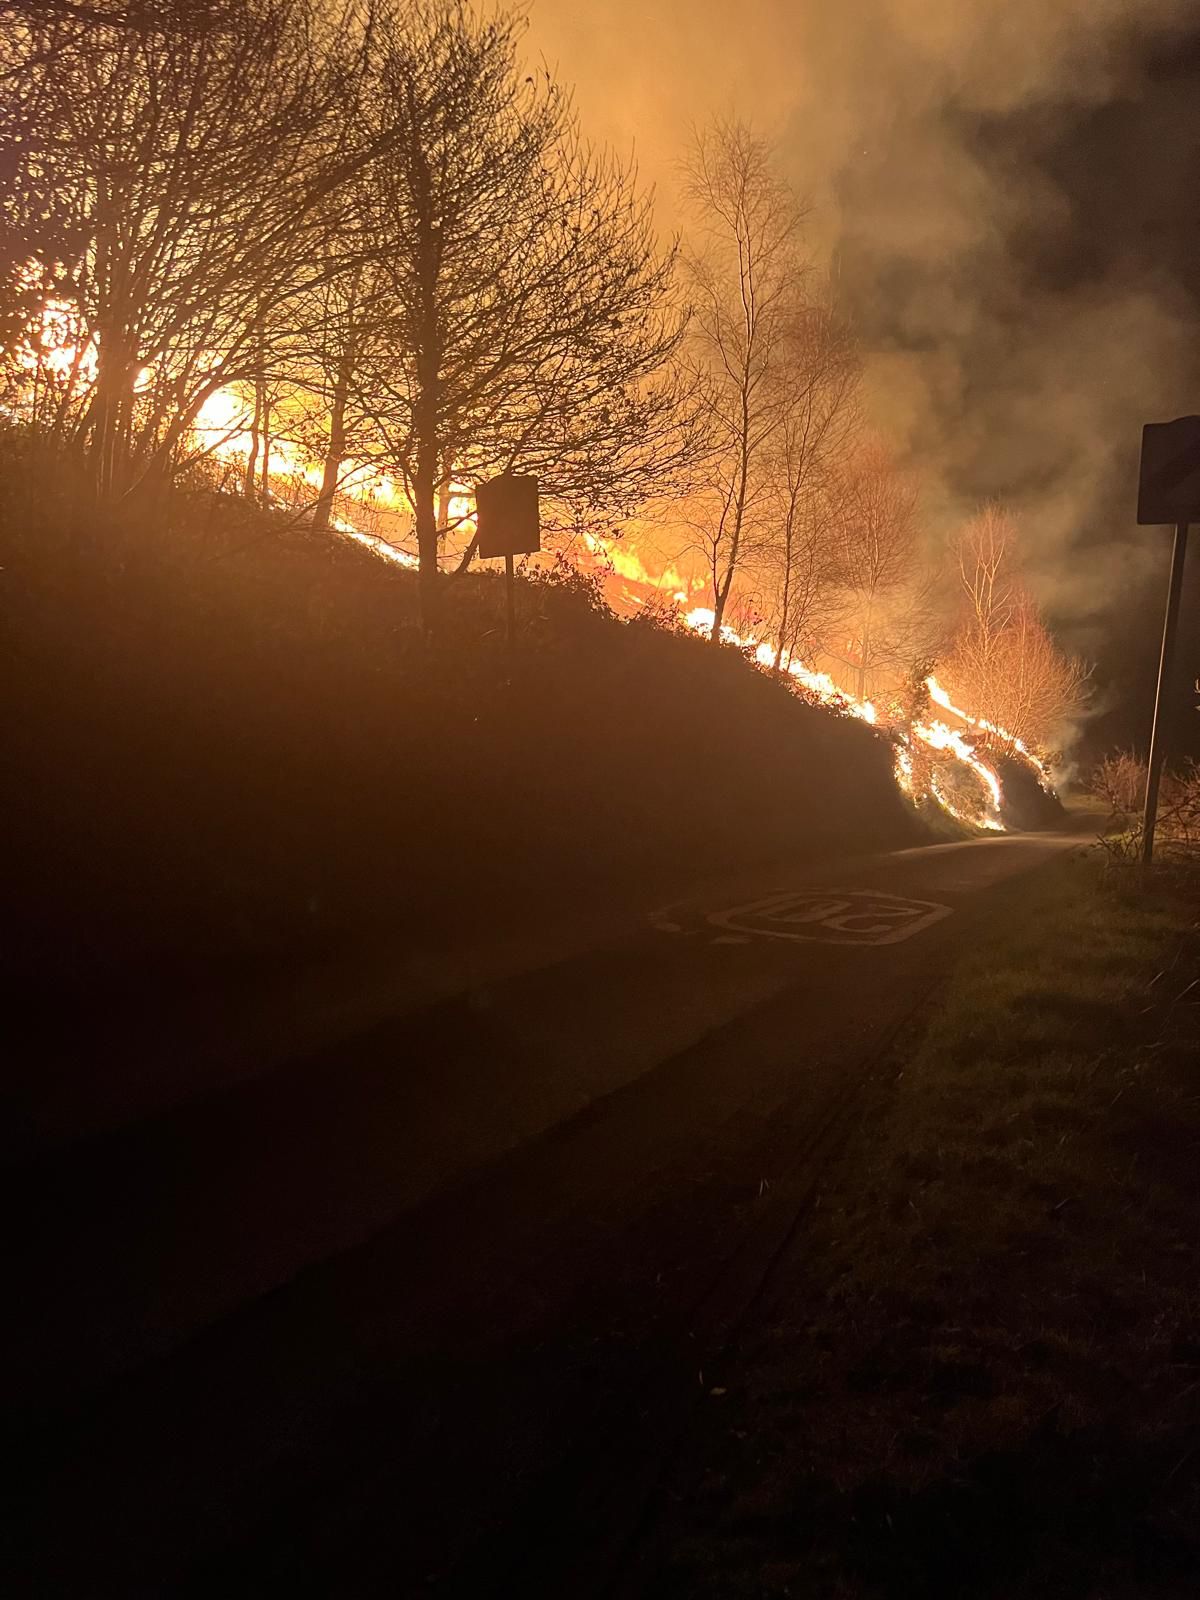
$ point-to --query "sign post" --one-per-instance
(1168, 492)
(510, 604)
(507, 524)
(1158, 748)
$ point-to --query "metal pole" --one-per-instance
(1157, 731)
(510, 584)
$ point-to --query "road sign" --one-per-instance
(507, 524)
(1158, 745)
(1169, 482)
(507, 516)
(1168, 491)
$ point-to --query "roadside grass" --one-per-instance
(982, 1375)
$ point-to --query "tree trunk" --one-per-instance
(426, 411)
(739, 512)
(785, 600)
(443, 505)
(266, 452)
(468, 556)
(108, 362)
(425, 509)
(260, 401)
(111, 374)
(864, 644)
(250, 476)
(323, 509)
(720, 601)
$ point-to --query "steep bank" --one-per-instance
(229, 740)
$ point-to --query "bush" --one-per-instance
(1120, 782)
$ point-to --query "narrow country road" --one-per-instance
(418, 1315)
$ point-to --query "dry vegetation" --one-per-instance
(1002, 660)
(1119, 783)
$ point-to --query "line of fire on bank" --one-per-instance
(932, 759)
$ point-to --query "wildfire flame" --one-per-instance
(701, 619)
(937, 736)
(941, 697)
(628, 565)
(223, 428)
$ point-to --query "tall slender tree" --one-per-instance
(887, 594)
(1002, 660)
(819, 416)
(746, 276)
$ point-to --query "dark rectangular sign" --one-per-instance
(1169, 481)
(506, 516)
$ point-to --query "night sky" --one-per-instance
(1133, 170)
(1084, 322)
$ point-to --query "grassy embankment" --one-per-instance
(983, 1375)
(228, 742)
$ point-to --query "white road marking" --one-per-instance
(832, 916)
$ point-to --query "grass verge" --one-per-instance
(983, 1375)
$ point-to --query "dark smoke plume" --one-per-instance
(1006, 192)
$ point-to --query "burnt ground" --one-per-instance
(427, 1313)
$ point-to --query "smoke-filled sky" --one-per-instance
(1008, 192)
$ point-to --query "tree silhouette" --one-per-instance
(532, 318)
(745, 275)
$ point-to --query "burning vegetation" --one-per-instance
(347, 262)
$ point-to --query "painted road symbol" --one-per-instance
(832, 916)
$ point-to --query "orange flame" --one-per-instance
(937, 736)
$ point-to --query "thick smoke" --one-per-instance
(1004, 189)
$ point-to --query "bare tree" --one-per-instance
(984, 555)
(1043, 687)
(533, 315)
(342, 330)
(745, 275)
(886, 593)
(188, 149)
(1002, 660)
(818, 415)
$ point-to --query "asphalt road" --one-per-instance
(422, 1314)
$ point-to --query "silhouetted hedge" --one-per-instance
(1026, 804)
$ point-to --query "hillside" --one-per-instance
(230, 742)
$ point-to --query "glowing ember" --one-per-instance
(903, 763)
